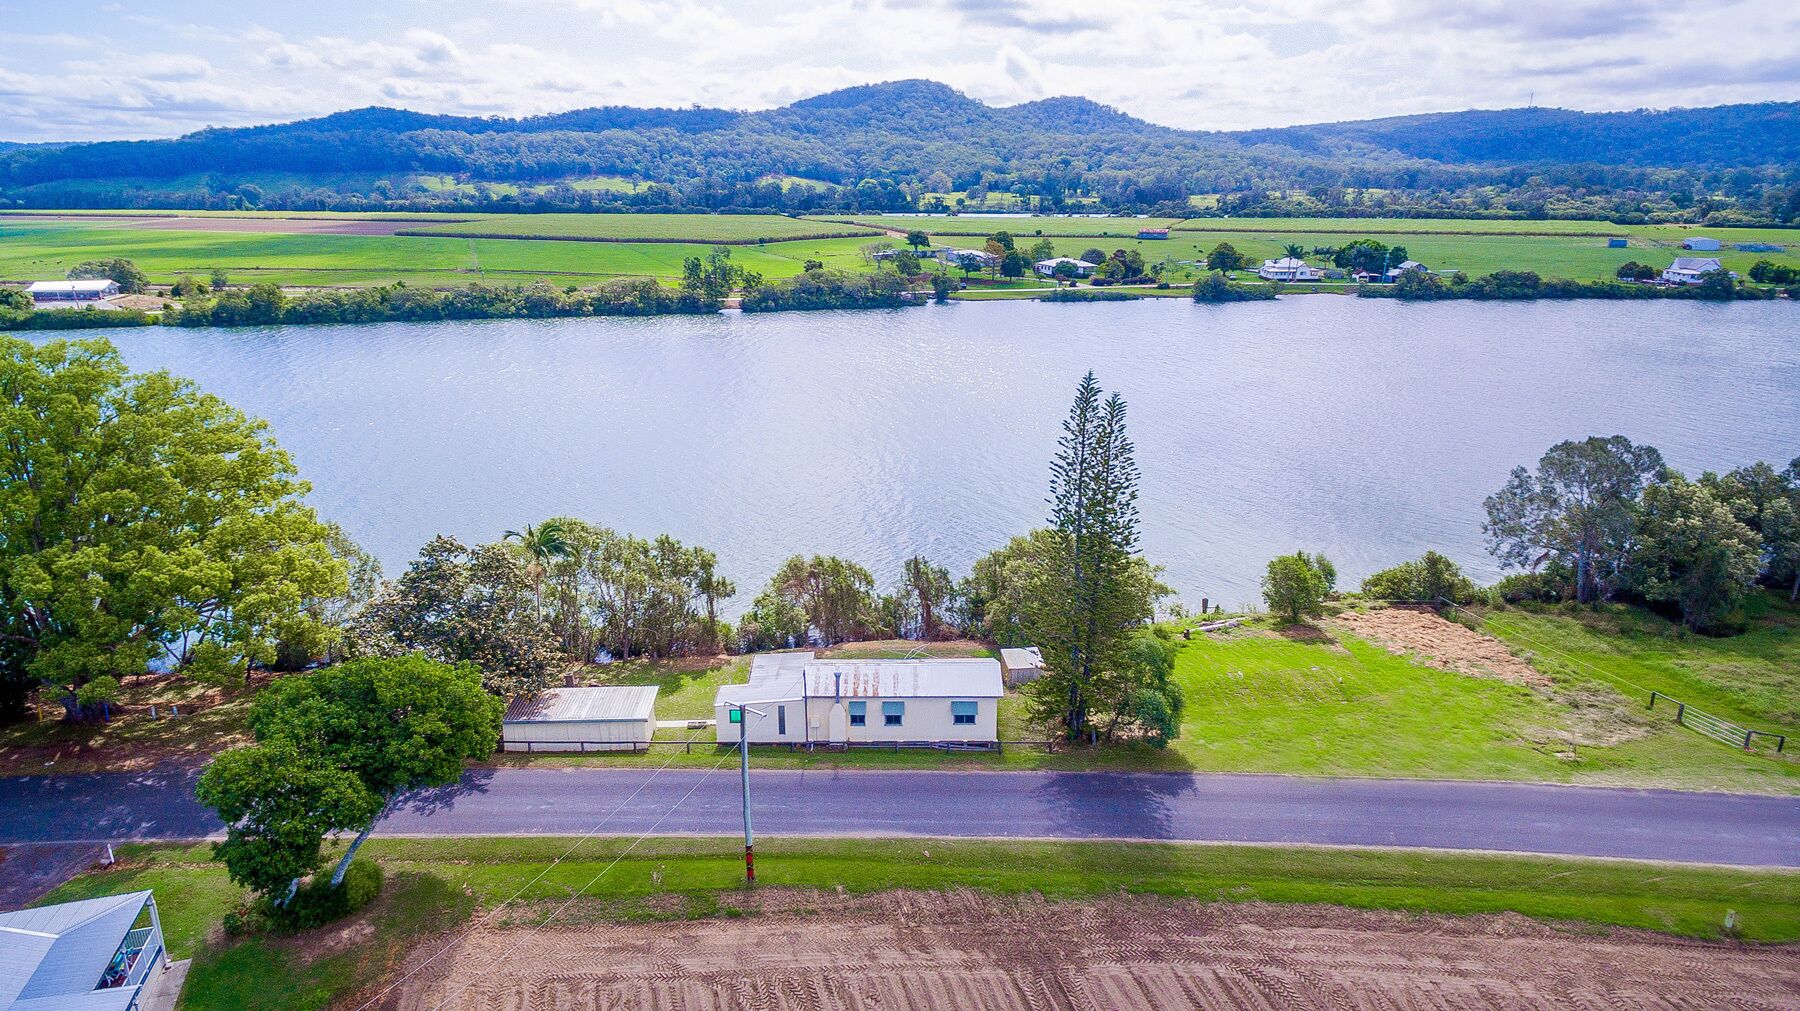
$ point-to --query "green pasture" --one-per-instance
(1032, 226)
(40, 250)
(693, 227)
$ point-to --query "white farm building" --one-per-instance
(1690, 269)
(1288, 269)
(802, 700)
(581, 719)
(71, 294)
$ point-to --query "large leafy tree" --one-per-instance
(1294, 586)
(1086, 603)
(836, 595)
(458, 604)
(1579, 508)
(334, 750)
(140, 517)
(1692, 552)
(1768, 502)
(931, 589)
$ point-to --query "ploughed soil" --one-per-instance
(289, 226)
(907, 950)
(1441, 643)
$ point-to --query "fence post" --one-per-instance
(1680, 711)
(1747, 734)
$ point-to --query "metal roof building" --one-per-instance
(805, 700)
(609, 718)
(90, 955)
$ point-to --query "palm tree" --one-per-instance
(1294, 251)
(541, 543)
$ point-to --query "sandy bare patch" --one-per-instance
(1442, 643)
(960, 950)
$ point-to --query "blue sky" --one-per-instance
(74, 69)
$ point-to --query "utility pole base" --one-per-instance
(749, 865)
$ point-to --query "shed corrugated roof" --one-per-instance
(1014, 658)
(1699, 263)
(53, 955)
(585, 705)
(95, 285)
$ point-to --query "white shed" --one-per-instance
(581, 719)
(1021, 665)
(1701, 244)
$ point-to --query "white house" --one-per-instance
(1689, 269)
(1079, 268)
(91, 955)
(800, 699)
(71, 294)
(1018, 666)
(1700, 244)
(1408, 267)
(1287, 269)
(986, 259)
(618, 718)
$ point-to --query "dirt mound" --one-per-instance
(822, 952)
(1441, 643)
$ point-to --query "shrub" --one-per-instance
(1523, 586)
(1214, 287)
(1428, 578)
(318, 903)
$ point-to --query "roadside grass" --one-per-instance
(435, 885)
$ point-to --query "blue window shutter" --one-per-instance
(962, 708)
(893, 708)
(858, 708)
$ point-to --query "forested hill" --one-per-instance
(890, 144)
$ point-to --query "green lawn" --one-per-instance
(435, 884)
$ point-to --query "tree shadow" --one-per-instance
(1137, 805)
(437, 799)
(1305, 632)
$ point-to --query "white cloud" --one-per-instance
(1202, 64)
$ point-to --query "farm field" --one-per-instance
(438, 886)
(978, 224)
(34, 250)
(661, 227)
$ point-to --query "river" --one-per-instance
(1369, 430)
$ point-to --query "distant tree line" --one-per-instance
(1519, 285)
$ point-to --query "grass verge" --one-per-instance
(434, 885)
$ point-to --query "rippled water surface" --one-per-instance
(1368, 430)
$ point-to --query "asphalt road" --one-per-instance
(1647, 824)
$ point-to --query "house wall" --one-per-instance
(574, 735)
(925, 719)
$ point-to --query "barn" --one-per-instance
(613, 718)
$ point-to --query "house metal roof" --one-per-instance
(934, 678)
(52, 956)
(613, 704)
(1698, 264)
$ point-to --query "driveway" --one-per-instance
(1645, 824)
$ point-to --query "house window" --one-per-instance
(859, 714)
(893, 713)
(781, 720)
(962, 713)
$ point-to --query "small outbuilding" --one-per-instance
(1153, 233)
(612, 718)
(1615, 243)
(91, 955)
(1701, 244)
(1020, 665)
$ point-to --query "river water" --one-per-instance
(1367, 430)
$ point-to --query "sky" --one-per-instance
(79, 70)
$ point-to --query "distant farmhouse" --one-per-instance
(1153, 233)
(1690, 269)
(955, 257)
(1410, 266)
(72, 294)
(1288, 269)
(1078, 268)
(798, 699)
(1700, 245)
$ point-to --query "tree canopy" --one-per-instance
(140, 517)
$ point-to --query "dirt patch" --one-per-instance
(29, 870)
(891, 649)
(1442, 643)
(821, 952)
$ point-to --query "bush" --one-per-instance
(1428, 578)
(1540, 586)
(1089, 295)
(317, 903)
(1215, 287)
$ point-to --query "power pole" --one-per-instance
(737, 717)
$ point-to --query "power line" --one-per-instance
(540, 876)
